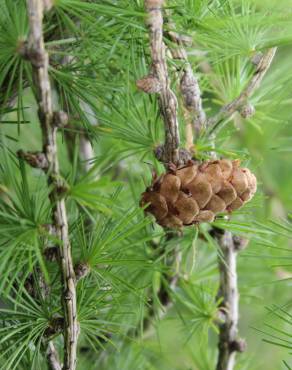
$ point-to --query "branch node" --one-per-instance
(247, 110)
(34, 159)
(184, 155)
(61, 186)
(220, 317)
(60, 119)
(55, 326)
(36, 56)
(239, 243)
(238, 345)
(62, 190)
(256, 58)
(68, 295)
(81, 269)
(149, 84)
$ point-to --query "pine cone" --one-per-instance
(195, 193)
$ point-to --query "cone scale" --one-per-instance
(196, 192)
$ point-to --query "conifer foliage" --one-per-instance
(99, 100)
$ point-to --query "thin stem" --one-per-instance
(262, 66)
(189, 84)
(167, 98)
(52, 357)
(229, 342)
(42, 89)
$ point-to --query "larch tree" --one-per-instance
(145, 184)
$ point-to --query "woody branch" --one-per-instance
(53, 357)
(189, 85)
(38, 57)
(158, 81)
(229, 343)
(261, 67)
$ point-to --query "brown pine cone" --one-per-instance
(195, 193)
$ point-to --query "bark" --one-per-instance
(189, 85)
(52, 357)
(38, 57)
(229, 342)
(167, 98)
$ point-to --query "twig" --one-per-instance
(167, 98)
(158, 82)
(39, 59)
(51, 352)
(228, 294)
(53, 358)
(262, 65)
(229, 342)
(189, 85)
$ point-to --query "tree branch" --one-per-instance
(53, 358)
(229, 342)
(158, 81)
(189, 84)
(262, 65)
(39, 59)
